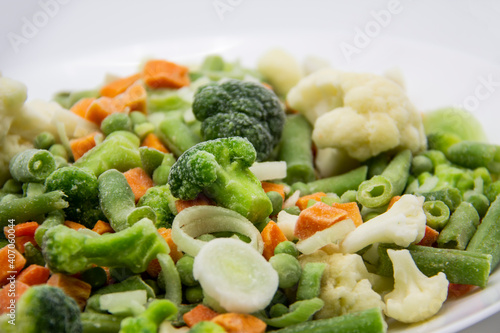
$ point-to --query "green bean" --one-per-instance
(460, 229)
(442, 141)
(32, 165)
(472, 154)
(299, 312)
(142, 130)
(95, 276)
(287, 247)
(463, 267)
(485, 240)
(150, 159)
(336, 184)
(117, 121)
(160, 175)
(12, 186)
(33, 255)
(348, 196)
(288, 269)
(53, 219)
(29, 208)
(118, 201)
(421, 163)
(479, 201)
(100, 322)
(277, 202)
(171, 278)
(59, 150)
(492, 190)
(278, 310)
(176, 135)
(379, 190)
(166, 100)
(437, 214)
(33, 189)
(137, 117)
(367, 321)
(437, 157)
(310, 280)
(450, 196)
(44, 140)
(185, 268)
(296, 150)
(377, 164)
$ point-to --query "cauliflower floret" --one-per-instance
(403, 224)
(346, 285)
(281, 69)
(415, 296)
(361, 113)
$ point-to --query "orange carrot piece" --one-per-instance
(102, 227)
(133, 99)
(118, 86)
(272, 236)
(80, 108)
(10, 294)
(197, 314)
(316, 218)
(393, 201)
(153, 141)
(200, 200)
(21, 242)
(165, 74)
(352, 210)
(22, 229)
(11, 263)
(73, 287)
(154, 268)
(139, 181)
(270, 187)
(302, 201)
(430, 237)
(82, 145)
(167, 235)
(456, 290)
(240, 323)
(103, 107)
(74, 225)
(34, 274)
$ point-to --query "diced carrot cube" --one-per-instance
(102, 227)
(352, 210)
(303, 201)
(240, 323)
(273, 187)
(272, 236)
(152, 141)
(10, 294)
(165, 74)
(197, 314)
(11, 263)
(80, 108)
(316, 218)
(139, 181)
(167, 235)
(33, 275)
(118, 86)
(73, 287)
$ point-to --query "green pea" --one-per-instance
(287, 247)
(185, 268)
(288, 269)
(194, 294)
(117, 121)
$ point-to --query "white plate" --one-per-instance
(448, 52)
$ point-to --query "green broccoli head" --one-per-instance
(220, 169)
(46, 308)
(240, 108)
(161, 200)
(82, 193)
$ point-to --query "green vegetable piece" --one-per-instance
(30, 208)
(479, 201)
(33, 255)
(492, 190)
(421, 163)
(166, 100)
(100, 322)
(287, 247)
(69, 251)
(442, 141)
(278, 310)
(288, 268)
(116, 121)
(276, 201)
(82, 193)
(294, 210)
(454, 120)
(12, 186)
(194, 294)
(295, 150)
(95, 276)
(377, 164)
(32, 165)
(379, 190)
(185, 268)
(460, 229)
(220, 170)
(240, 108)
(149, 321)
(161, 173)
(176, 134)
(120, 150)
(437, 157)
(463, 267)
(212, 63)
(118, 201)
(59, 150)
(150, 159)
(450, 196)
(75, 96)
(310, 281)
(172, 281)
(33, 189)
(142, 130)
(471, 155)
(137, 117)
(161, 201)
(44, 140)
(299, 312)
(437, 214)
(207, 327)
(53, 219)
(336, 184)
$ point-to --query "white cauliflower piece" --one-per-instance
(346, 285)
(361, 113)
(281, 69)
(415, 296)
(403, 224)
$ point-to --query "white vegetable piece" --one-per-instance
(330, 235)
(269, 170)
(286, 222)
(235, 275)
(281, 69)
(402, 225)
(415, 296)
(124, 302)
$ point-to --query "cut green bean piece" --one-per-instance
(44, 140)
(450, 196)
(32, 165)
(473, 154)
(12, 186)
(95, 276)
(421, 163)
(463, 267)
(151, 159)
(442, 141)
(437, 157)
(437, 214)
(377, 164)
(100, 322)
(379, 190)
(171, 278)
(142, 130)
(460, 229)
(176, 134)
(299, 312)
(479, 201)
(310, 280)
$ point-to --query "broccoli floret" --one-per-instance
(46, 308)
(69, 251)
(82, 193)
(220, 169)
(162, 202)
(240, 108)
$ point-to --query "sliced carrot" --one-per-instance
(102, 227)
(393, 201)
(456, 290)
(165, 74)
(139, 181)
(167, 235)
(153, 141)
(11, 263)
(133, 99)
(197, 314)
(22, 229)
(82, 145)
(316, 218)
(200, 200)
(240, 323)
(73, 287)
(302, 201)
(74, 225)
(118, 86)
(352, 210)
(80, 108)
(430, 237)
(34, 274)
(272, 236)
(10, 294)
(21, 242)
(103, 107)
(273, 187)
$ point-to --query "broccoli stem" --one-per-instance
(53, 219)
(32, 165)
